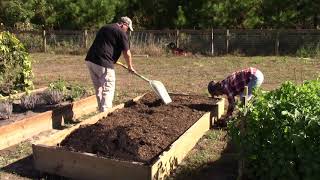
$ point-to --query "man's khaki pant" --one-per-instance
(104, 84)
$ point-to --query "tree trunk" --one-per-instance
(315, 21)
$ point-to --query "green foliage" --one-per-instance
(81, 14)
(91, 14)
(281, 136)
(15, 65)
(15, 11)
(60, 85)
(70, 91)
(76, 92)
(181, 19)
(310, 50)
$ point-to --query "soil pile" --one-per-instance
(141, 131)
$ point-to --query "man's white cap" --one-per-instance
(127, 20)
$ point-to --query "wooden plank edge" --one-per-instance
(23, 93)
(59, 136)
(85, 165)
(22, 130)
(84, 106)
(169, 159)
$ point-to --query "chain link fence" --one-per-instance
(206, 42)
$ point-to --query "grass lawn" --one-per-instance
(213, 157)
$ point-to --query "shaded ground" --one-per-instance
(141, 131)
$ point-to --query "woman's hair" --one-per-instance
(212, 86)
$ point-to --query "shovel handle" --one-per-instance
(142, 77)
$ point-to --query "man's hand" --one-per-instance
(131, 69)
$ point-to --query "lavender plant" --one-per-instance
(29, 102)
(53, 97)
(5, 110)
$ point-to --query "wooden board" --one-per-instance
(18, 95)
(21, 130)
(85, 165)
(169, 159)
(47, 158)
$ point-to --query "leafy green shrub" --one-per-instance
(76, 92)
(70, 91)
(282, 133)
(15, 65)
(60, 85)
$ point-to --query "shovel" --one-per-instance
(156, 86)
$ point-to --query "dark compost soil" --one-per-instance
(141, 131)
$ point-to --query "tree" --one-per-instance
(80, 14)
(16, 11)
(181, 19)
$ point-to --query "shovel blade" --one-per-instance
(161, 91)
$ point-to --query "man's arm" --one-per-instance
(128, 57)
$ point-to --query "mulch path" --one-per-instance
(141, 131)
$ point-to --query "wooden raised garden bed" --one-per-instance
(144, 139)
(13, 132)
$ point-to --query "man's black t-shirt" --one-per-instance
(106, 49)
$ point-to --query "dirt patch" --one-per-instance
(141, 131)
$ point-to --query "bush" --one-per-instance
(69, 91)
(59, 85)
(15, 65)
(76, 92)
(282, 133)
(310, 50)
(29, 102)
(52, 97)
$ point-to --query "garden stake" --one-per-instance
(242, 130)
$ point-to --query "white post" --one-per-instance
(212, 42)
(44, 41)
(227, 41)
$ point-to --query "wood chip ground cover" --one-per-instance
(140, 131)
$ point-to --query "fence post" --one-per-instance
(277, 44)
(177, 37)
(227, 41)
(241, 162)
(44, 41)
(85, 38)
(212, 42)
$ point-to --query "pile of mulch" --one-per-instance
(141, 131)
